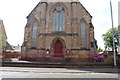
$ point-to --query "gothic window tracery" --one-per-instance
(34, 35)
(59, 19)
(83, 34)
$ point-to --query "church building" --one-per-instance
(59, 27)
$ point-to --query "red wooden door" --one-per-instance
(58, 49)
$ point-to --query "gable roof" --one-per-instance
(9, 47)
(56, 1)
(85, 9)
(34, 9)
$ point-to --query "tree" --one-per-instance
(107, 38)
(2, 43)
(100, 50)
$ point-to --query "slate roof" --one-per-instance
(9, 47)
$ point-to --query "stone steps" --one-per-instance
(53, 64)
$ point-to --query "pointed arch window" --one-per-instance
(34, 35)
(83, 34)
(59, 19)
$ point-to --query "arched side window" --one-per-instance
(59, 19)
(34, 35)
(83, 34)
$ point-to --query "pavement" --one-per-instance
(60, 70)
(39, 72)
(25, 72)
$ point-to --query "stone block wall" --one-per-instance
(75, 13)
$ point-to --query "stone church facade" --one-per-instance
(58, 28)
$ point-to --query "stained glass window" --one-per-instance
(35, 25)
(83, 34)
(59, 8)
(59, 19)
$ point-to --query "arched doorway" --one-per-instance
(58, 49)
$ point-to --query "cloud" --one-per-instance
(100, 10)
(14, 12)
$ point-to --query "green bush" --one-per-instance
(118, 61)
(110, 60)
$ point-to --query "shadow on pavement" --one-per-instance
(97, 70)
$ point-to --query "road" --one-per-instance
(23, 72)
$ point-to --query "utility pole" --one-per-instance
(113, 34)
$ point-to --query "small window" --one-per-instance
(92, 44)
(59, 8)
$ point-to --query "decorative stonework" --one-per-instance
(69, 39)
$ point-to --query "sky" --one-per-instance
(14, 13)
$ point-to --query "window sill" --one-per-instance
(58, 32)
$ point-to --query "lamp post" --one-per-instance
(113, 33)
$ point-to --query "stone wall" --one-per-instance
(75, 13)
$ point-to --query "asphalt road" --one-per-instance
(21, 72)
(57, 75)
